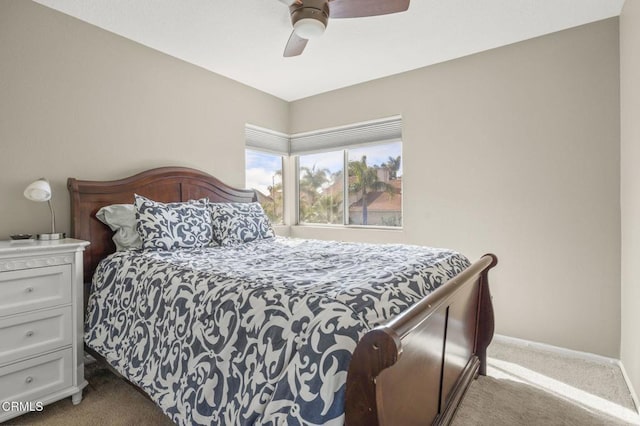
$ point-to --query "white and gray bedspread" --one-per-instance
(258, 333)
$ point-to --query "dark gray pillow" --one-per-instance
(168, 226)
(235, 223)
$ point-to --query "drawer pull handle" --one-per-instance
(29, 290)
(29, 333)
(29, 379)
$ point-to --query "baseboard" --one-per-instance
(557, 349)
(514, 341)
(634, 395)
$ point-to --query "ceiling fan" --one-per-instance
(310, 17)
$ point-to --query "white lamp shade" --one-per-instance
(39, 190)
(309, 28)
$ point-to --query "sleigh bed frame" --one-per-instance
(412, 370)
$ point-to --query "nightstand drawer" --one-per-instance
(35, 288)
(34, 333)
(37, 377)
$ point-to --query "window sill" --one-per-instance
(361, 234)
(337, 227)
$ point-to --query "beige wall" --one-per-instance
(514, 151)
(79, 101)
(630, 187)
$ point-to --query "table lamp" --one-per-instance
(40, 190)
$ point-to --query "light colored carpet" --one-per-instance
(524, 386)
(530, 386)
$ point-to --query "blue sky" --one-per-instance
(260, 170)
(377, 154)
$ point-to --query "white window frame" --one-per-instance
(345, 189)
(270, 142)
(342, 138)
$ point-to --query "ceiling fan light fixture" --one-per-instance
(309, 28)
(310, 18)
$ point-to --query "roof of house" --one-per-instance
(382, 201)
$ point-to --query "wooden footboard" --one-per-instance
(415, 369)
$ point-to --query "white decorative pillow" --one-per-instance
(235, 223)
(121, 218)
(167, 226)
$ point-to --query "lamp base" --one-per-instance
(48, 237)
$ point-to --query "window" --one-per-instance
(264, 174)
(321, 188)
(346, 175)
(374, 186)
(264, 160)
(350, 175)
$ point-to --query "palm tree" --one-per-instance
(328, 208)
(393, 165)
(364, 180)
(311, 182)
(274, 206)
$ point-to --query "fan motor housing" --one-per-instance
(310, 9)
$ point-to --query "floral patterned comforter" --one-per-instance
(257, 333)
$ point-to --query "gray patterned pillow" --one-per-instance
(173, 225)
(235, 223)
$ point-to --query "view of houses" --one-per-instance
(374, 194)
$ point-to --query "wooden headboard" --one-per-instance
(165, 184)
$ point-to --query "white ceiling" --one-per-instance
(244, 40)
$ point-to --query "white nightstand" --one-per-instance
(41, 324)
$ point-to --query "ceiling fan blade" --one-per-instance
(362, 8)
(295, 45)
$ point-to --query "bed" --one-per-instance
(410, 364)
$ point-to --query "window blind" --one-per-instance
(266, 140)
(376, 131)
